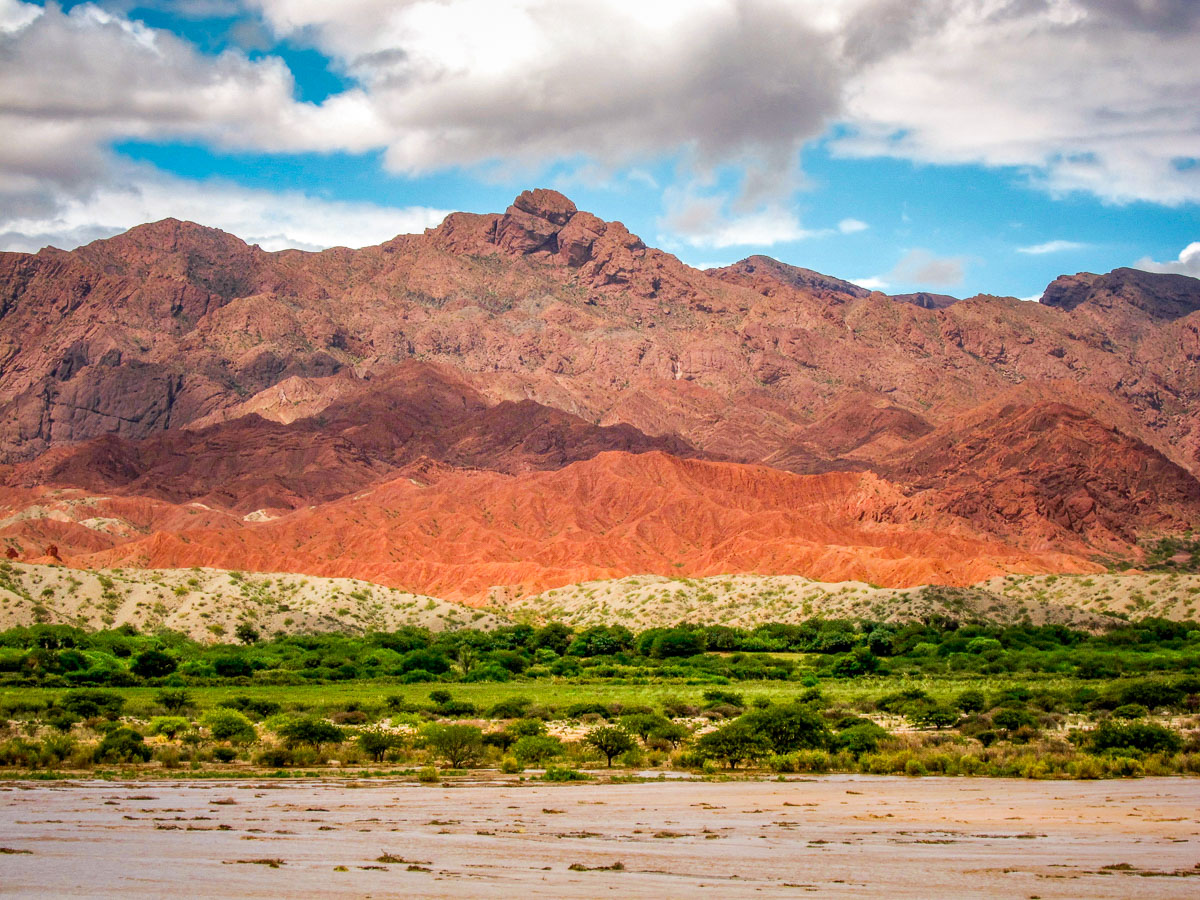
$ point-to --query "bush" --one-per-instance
(168, 725)
(275, 758)
(526, 728)
(936, 717)
(61, 719)
(229, 725)
(511, 708)
(122, 745)
(255, 707)
(89, 703)
(1130, 711)
(153, 664)
(428, 775)
(224, 754)
(558, 773)
(1013, 719)
(861, 738)
(1151, 694)
(537, 750)
(1148, 738)
(174, 700)
(510, 766)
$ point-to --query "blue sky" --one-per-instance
(904, 150)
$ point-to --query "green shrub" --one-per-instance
(1130, 711)
(229, 725)
(510, 766)
(559, 773)
(90, 703)
(1110, 737)
(169, 725)
(537, 749)
(122, 745)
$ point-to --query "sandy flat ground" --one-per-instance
(837, 836)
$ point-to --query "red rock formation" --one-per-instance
(455, 534)
(174, 366)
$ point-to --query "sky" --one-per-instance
(952, 146)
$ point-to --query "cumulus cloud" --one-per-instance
(1188, 262)
(462, 82)
(274, 220)
(1082, 95)
(1058, 246)
(1092, 95)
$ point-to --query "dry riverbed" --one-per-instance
(840, 836)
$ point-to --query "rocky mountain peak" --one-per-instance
(1160, 296)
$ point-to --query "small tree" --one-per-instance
(246, 633)
(611, 740)
(734, 742)
(643, 724)
(311, 730)
(788, 728)
(938, 717)
(671, 732)
(458, 745)
(375, 742)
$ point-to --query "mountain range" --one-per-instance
(517, 401)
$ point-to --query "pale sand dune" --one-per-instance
(208, 604)
(835, 836)
(646, 601)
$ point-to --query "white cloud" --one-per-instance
(274, 220)
(1090, 95)
(921, 268)
(715, 221)
(702, 222)
(1051, 247)
(1093, 95)
(1188, 262)
(461, 82)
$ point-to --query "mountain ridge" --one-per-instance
(175, 373)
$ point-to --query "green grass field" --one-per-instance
(140, 700)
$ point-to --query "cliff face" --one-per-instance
(174, 365)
